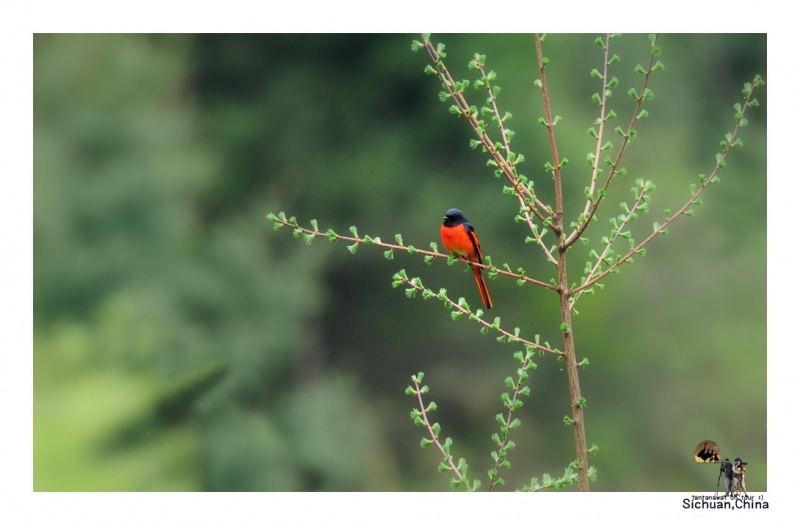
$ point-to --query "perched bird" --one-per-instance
(458, 237)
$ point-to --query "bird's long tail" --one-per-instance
(487, 301)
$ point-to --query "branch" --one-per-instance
(537, 237)
(462, 308)
(454, 91)
(627, 136)
(644, 189)
(506, 423)
(550, 125)
(420, 418)
(728, 144)
(493, 98)
(599, 137)
(569, 478)
(298, 231)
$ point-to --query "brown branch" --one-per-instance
(579, 427)
(464, 311)
(306, 231)
(575, 235)
(496, 113)
(506, 143)
(602, 120)
(523, 375)
(434, 437)
(617, 231)
(550, 133)
(693, 199)
(536, 235)
(461, 103)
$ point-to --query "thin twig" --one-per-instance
(536, 235)
(461, 103)
(522, 375)
(601, 128)
(473, 316)
(507, 145)
(434, 437)
(306, 231)
(617, 231)
(575, 235)
(710, 180)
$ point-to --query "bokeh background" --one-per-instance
(182, 344)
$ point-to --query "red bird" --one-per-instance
(458, 237)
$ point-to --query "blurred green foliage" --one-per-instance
(180, 344)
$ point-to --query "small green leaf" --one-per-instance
(332, 235)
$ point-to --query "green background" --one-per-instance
(181, 344)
